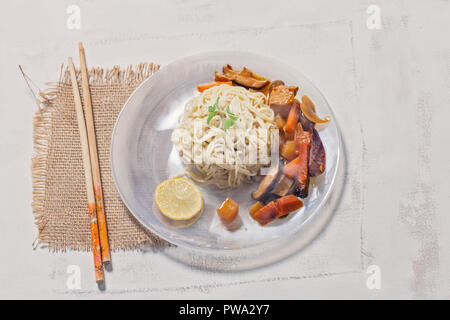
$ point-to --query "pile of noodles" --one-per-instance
(225, 158)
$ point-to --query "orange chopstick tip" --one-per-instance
(92, 144)
(99, 277)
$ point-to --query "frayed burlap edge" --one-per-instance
(116, 75)
(42, 140)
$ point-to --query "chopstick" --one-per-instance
(99, 277)
(94, 157)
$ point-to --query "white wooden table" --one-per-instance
(389, 87)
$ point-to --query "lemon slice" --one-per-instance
(178, 198)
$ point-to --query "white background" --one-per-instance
(389, 88)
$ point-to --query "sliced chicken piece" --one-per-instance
(281, 98)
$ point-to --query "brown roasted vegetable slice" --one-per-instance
(284, 186)
(303, 144)
(255, 75)
(244, 77)
(317, 156)
(309, 110)
(265, 89)
(267, 184)
(222, 77)
(306, 124)
(250, 82)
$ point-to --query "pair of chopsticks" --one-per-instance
(99, 234)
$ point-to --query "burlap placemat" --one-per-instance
(59, 192)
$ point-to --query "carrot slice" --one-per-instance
(287, 204)
(290, 170)
(292, 120)
(267, 214)
(255, 208)
(298, 132)
(203, 86)
(228, 211)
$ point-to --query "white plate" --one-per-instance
(142, 155)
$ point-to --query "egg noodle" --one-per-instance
(221, 155)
